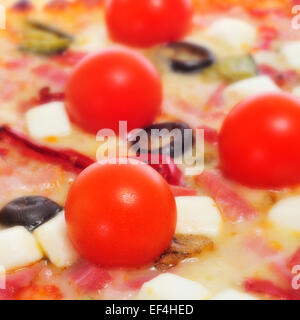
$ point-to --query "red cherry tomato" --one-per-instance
(260, 139)
(120, 215)
(111, 86)
(148, 22)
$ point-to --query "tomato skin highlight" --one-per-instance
(120, 215)
(145, 23)
(111, 86)
(259, 141)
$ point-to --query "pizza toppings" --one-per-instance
(52, 237)
(146, 23)
(257, 141)
(169, 286)
(111, 86)
(198, 216)
(182, 247)
(42, 39)
(30, 212)
(129, 223)
(200, 57)
(18, 248)
(48, 120)
(232, 294)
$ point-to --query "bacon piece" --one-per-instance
(51, 73)
(69, 58)
(211, 135)
(268, 288)
(165, 166)
(19, 279)
(37, 292)
(216, 99)
(88, 278)
(233, 206)
(283, 78)
(69, 159)
(182, 247)
(267, 35)
(179, 191)
(45, 96)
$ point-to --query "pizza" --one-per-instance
(78, 223)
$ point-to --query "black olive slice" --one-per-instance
(30, 212)
(180, 142)
(200, 57)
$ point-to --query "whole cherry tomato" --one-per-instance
(148, 22)
(120, 215)
(111, 86)
(259, 141)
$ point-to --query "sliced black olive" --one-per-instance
(199, 57)
(29, 212)
(43, 39)
(180, 142)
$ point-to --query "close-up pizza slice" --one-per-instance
(149, 150)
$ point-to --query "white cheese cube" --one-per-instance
(243, 89)
(234, 33)
(54, 240)
(290, 53)
(168, 286)
(296, 91)
(286, 213)
(18, 248)
(48, 120)
(231, 294)
(198, 215)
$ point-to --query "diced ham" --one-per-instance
(88, 278)
(52, 74)
(69, 58)
(18, 280)
(234, 207)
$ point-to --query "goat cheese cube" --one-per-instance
(286, 213)
(243, 89)
(198, 215)
(290, 53)
(232, 294)
(48, 120)
(53, 238)
(234, 33)
(168, 286)
(18, 248)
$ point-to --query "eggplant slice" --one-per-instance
(182, 247)
(40, 38)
